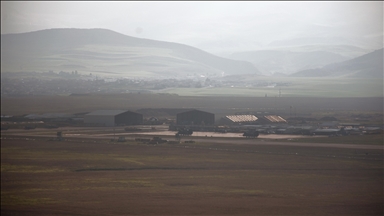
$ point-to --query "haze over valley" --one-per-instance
(192, 108)
(105, 52)
(110, 62)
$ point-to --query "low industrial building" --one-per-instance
(275, 119)
(238, 119)
(113, 118)
(350, 125)
(329, 125)
(195, 117)
(302, 130)
(271, 119)
(329, 132)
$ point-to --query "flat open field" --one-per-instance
(219, 105)
(298, 87)
(99, 177)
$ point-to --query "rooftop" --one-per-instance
(242, 118)
(275, 118)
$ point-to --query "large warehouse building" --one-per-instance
(113, 118)
(195, 117)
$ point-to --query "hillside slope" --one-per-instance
(102, 51)
(366, 66)
(287, 62)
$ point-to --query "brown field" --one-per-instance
(87, 174)
(98, 177)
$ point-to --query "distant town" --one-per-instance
(54, 83)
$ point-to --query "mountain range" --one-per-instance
(292, 59)
(366, 66)
(287, 62)
(105, 52)
(102, 51)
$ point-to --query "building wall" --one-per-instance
(195, 117)
(226, 121)
(125, 118)
(129, 118)
(100, 119)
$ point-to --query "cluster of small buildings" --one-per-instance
(188, 118)
(198, 120)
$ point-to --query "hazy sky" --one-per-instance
(212, 26)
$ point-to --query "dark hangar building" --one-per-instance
(113, 118)
(195, 117)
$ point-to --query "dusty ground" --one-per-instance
(98, 177)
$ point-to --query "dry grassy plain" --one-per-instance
(97, 177)
(219, 105)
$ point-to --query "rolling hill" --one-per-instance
(105, 52)
(286, 61)
(366, 66)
